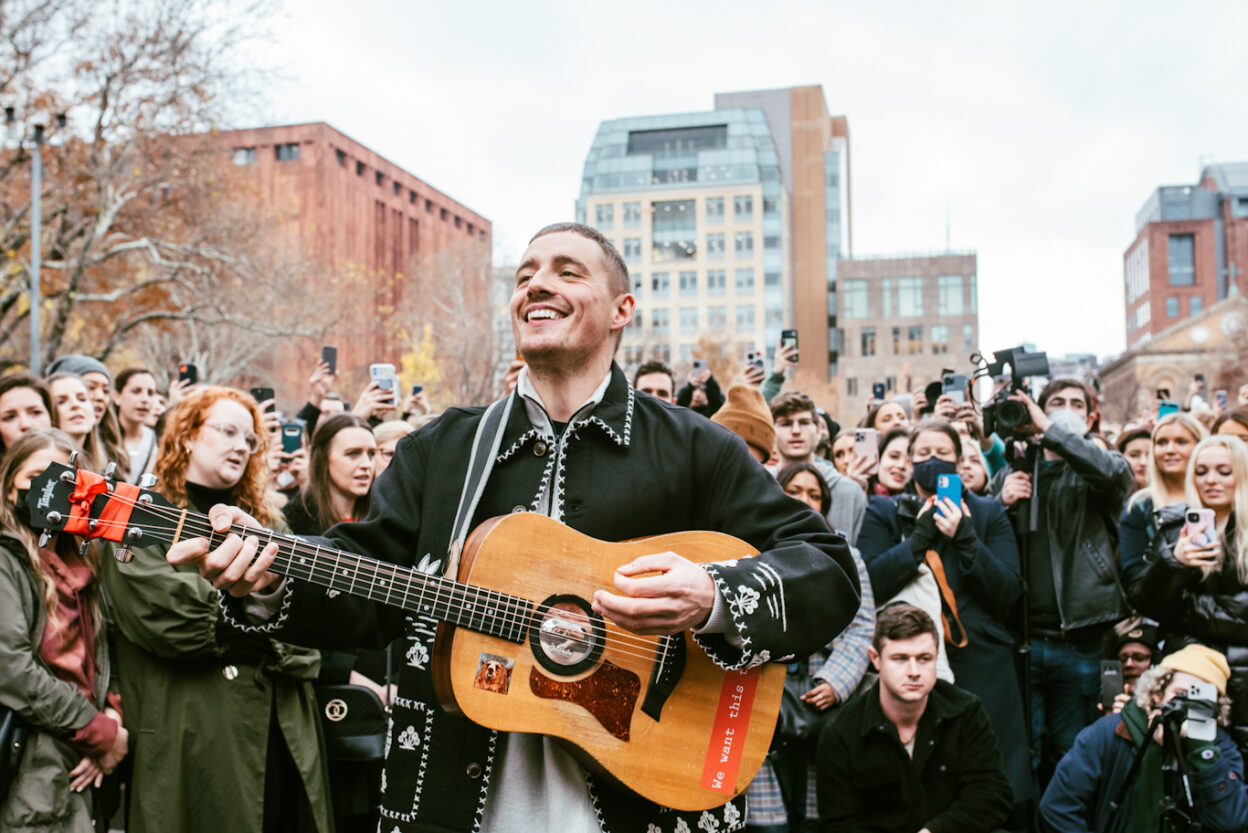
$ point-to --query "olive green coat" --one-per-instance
(39, 798)
(199, 697)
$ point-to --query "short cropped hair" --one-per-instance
(792, 402)
(901, 621)
(1062, 384)
(617, 271)
(655, 367)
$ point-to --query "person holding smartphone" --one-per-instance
(969, 547)
(1198, 592)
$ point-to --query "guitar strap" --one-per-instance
(489, 431)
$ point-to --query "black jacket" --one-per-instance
(634, 467)
(1083, 504)
(954, 784)
(1212, 610)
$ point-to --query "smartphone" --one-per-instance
(417, 389)
(384, 376)
(1220, 398)
(953, 385)
(877, 391)
(789, 338)
(948, 486)
(699, 365)
(261, 394)
(1163, 393)
(753, 357)
(1201, 527)
(292, 435)
(1166, 407)
(329, 355)
(867, 447)
(1112, 683)
(1200, 377)
(188, 372)
(1201, 723)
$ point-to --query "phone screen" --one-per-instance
(329, 355)
(292, 438)
(262, 394)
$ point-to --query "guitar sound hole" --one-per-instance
(569, 636)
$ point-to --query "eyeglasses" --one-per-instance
(1138, 658)
(233, 434)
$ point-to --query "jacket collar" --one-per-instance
(609, 410)
(940, 707)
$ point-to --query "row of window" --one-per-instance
(1195, 306)
(908, 341)
(635, 354)
(662, 251)
(660, 320)
(950, 298)
(687, 283)
(742, 211)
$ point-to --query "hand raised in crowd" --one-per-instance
(272, 419)
(948, 517)
(238, 566)
(697, 378)
(1189, 554)
(918, 402)
(416, 403)
(663, 593)
(320, 383)
(513, 376)
(179, 389)
(374, 402)
(298, 467)
(1120, 701)
(859, 470)
(820, 697)
(1017, 487)
(752, 375)
(946, 408)
(786, 357)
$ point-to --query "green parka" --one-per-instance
(40, 798)
(199, 697)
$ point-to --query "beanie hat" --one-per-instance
(1199, 661)
(746, 413)
(1143, 633)
(78, 365)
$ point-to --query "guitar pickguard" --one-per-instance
(609, 694)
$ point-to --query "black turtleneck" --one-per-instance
(206, 498)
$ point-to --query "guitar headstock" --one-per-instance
(80, 502)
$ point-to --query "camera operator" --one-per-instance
(1074, 592)
(1090, 779)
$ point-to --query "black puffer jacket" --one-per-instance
(1212, 610)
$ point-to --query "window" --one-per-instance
(604, 216)
(1172, 307)
(689, 320)
(745, 316)
(715, 247)
(909, 296)
(632, 249)
(974, 297)
(717, 318)
(854, 293)
(470, 229)
(896, 340)
(244, 156)
(442, 214)
(968, 338)
(1195, 305)
(397, 188)
(949, 295)
(662, 353)
(458, 222)
(771, 279)
(674, 230)
(851, 387)
(714, 209)
(660, 285)
(1182, 260)
(341, 156)
(288, 152)
(744, 244)
(716, 282)
(686, 353)
(688, 284)
(914, 340)
(771, 242)
(411, 197)
(632, 215)
(660, 321)
(742, 208)
(360, 168)
(638, 280)
(428, 206)
(745, 281)
(380, 178)
(868, 341)
(886, 296)
(940, 339)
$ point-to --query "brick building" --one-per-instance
(1190, 251)
(366, 219)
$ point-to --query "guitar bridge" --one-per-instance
(669, 665)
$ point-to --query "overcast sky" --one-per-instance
(1042, 126)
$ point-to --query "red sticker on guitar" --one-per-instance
(732, 720)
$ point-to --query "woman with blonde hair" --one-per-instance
(1196, 589)
(1173, 439)
(226, 718)
(54, 659)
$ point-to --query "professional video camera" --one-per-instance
(1002, 415)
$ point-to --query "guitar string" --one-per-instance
(444, 589)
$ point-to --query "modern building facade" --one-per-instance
(905, 319)
(703, 208)
(1190, 251)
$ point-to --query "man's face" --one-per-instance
(796, 435)
(907, 667)
(1135, 657)
(563, 308)
(1072, 398)
(658, 385)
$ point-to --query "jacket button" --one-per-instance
(474, 770)
(539, 448)
(518, 509)
(230, 672)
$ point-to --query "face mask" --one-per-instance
(21, 509)
(1070, 421)
(927, 472)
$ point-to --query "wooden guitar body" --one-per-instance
(652, 713)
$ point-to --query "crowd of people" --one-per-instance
(964, 687)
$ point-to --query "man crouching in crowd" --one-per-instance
(1089, 778)
(913, 753)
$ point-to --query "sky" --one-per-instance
(1032, 132)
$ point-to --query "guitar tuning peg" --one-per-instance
(122, 555)
(147, 481)
(73, 459)
(110, 471)
(44, 538)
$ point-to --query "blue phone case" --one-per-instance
(949, 486)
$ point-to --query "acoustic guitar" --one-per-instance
(519, 648)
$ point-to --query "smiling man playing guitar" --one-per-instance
(582, 447)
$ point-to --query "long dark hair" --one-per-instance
(317, 496)
(792, 470)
